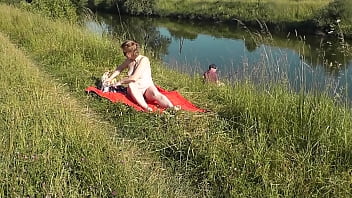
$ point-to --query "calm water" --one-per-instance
(312, 63)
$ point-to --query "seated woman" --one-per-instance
(140, 84)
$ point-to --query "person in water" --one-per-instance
(211, 75)
(139, 80)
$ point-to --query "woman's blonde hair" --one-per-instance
(130, 46)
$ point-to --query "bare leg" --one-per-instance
(152, 94)
(137, 95)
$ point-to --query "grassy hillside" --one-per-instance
(256, 142)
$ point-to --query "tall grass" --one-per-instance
(264, 10)
(256, 141)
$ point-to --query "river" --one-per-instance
(312, 63)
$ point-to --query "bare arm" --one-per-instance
(118, 70)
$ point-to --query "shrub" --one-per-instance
(336, 11)
(139, 7)
(58, 9)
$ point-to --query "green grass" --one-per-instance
(264, 10)
(257, 141)
(305, 16)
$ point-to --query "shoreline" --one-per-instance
(303, 24)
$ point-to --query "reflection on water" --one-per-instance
(313, 63)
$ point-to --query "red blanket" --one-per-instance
(175, 97)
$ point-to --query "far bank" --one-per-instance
(323, 17)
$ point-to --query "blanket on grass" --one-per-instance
(120, 96)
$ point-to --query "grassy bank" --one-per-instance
(282, 16)
(307, 17)
(257, 141)
(265, 10)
